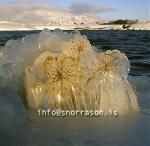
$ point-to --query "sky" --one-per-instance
(105, 9)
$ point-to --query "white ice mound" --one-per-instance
(61, 70)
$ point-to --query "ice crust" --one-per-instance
(61, 70)
(12, 110)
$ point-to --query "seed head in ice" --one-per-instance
(79, 47)
(62, 73)
(108, 63)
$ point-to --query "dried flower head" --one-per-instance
(106, 65)
(79, 47)
(109, 62)
(62, 73)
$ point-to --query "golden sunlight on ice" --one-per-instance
(67, 72)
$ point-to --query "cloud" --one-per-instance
(89, 8)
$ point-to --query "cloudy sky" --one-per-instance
(105, 9)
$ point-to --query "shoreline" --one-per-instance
(91, 29)
(138, 26)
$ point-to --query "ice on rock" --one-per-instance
(61, 70)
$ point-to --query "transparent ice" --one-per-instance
(61, 70)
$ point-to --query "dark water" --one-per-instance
(130, 130)
(135, 44)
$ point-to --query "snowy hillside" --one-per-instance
(39, 16)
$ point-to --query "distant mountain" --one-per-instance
(38, 16)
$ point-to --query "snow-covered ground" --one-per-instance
(141, 26)
(10, 26)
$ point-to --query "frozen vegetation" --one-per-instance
(60, 70)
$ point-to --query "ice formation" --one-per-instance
(61, 70)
